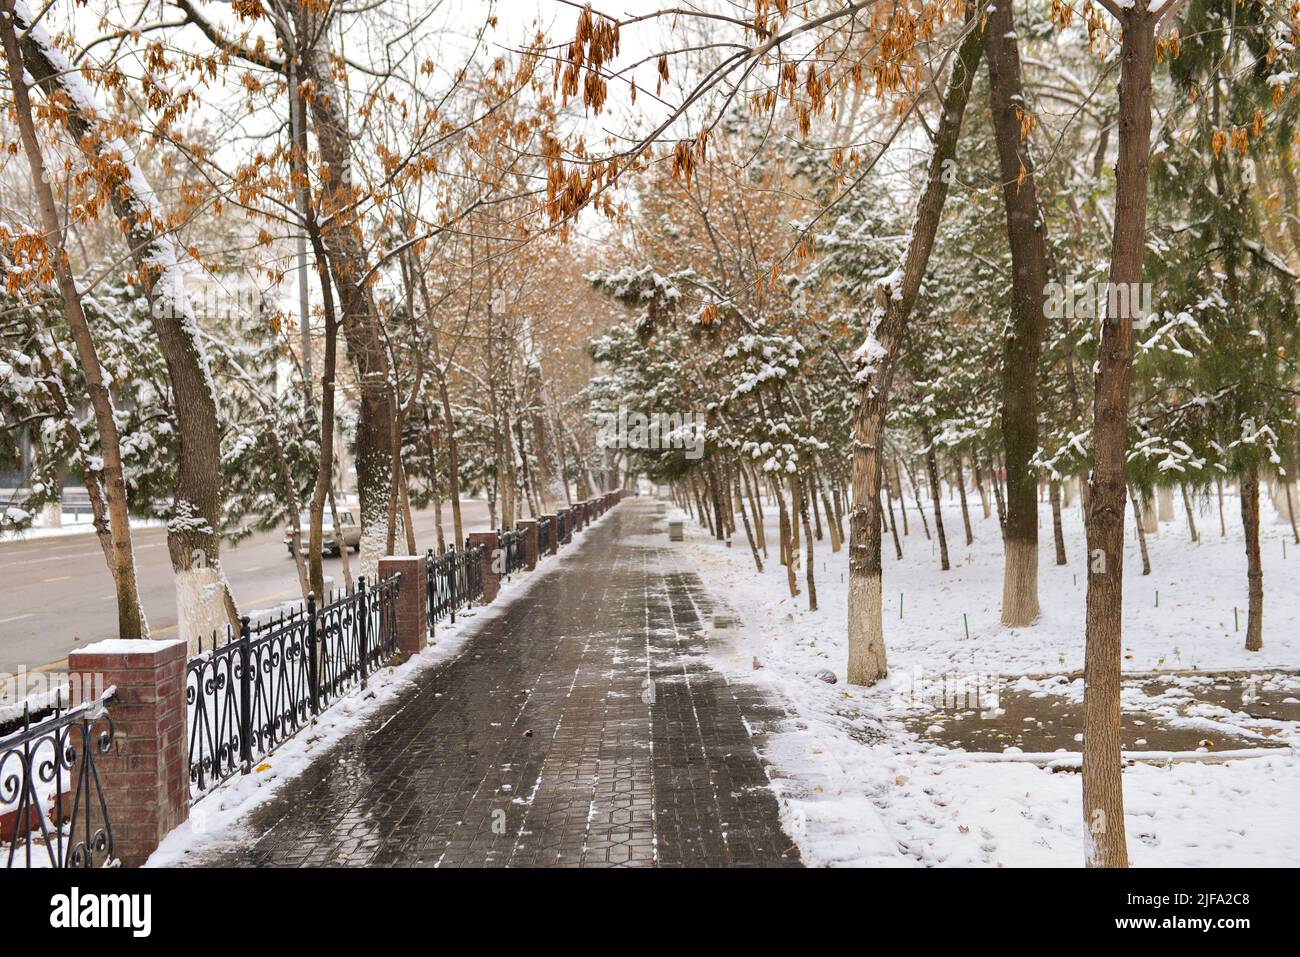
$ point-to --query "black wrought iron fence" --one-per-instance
(544, 532)
(561, 526)
(253, 693)
(453, 580)
(52, 807)
(511, 543)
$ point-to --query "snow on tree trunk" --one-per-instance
(116, 539)
(203, 598)
(359, 318)
(876, 360)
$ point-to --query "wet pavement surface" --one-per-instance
(581, 727)
(1184, 713)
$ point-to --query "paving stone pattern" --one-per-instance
(582, 727)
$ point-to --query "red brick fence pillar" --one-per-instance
(491, 543)
(146, 774)
(529, 528)
(412, 601)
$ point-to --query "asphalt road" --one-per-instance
(56, 594)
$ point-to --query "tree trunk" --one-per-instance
(407, 523)
(1290, 510)
(902, 500)
(795, 537)
(876, 360)
(719, 509)
(1223, 522)
(1254, 569)
(1165, 506)
(893, 523)
(788, 552)
(1191, 519)
(531, 497)
(744, 516)
(831, 525)
(1150, 515)
(1103, 795)
(979, 484)
(204, 603)
(343, 553)
(965, 511)
(751, 486)
(811, 492)
(932, 467)
(1139, 520)
(1057, 533)
(359, 319)
(448, 420)
(293, 511)
(997, 496)
(700, 504)
(1028, 241)
(325, 464)
(916, 497)
(435, 491)
(509, 490)
(804, 494)
(119, 551)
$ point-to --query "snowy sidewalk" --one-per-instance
(582, 726)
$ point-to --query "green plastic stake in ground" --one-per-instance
(1235, 626)
(965, 623)
(900, 605)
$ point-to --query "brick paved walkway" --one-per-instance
(537, 746)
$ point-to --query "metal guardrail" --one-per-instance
(52, 807)
(511, 543)
(453, 580)
(247, 697)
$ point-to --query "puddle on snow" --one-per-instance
(1159, 714)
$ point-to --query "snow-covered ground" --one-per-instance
(860, 786)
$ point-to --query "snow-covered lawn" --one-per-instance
(858, 787)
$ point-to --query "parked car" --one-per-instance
(350, 534)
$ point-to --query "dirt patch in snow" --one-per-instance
(1209, 713)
